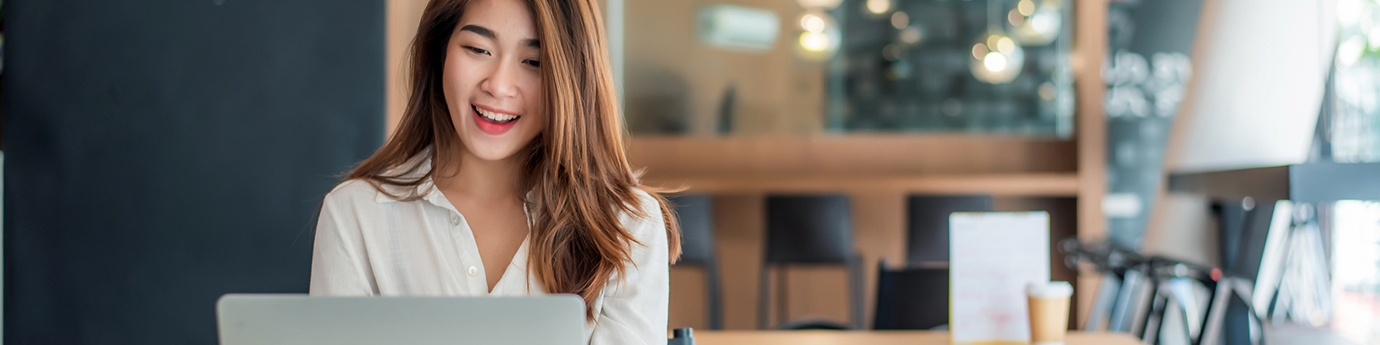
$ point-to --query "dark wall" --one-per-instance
(162, 153)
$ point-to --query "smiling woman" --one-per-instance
(506, 176)
(491, 82)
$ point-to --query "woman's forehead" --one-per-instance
(504, 20)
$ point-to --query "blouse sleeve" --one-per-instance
(635, 307)
(339, 265)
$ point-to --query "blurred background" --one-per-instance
(1206, 164)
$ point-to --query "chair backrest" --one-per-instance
(696, 216)
(928, 223)
(1242, 237)
(809, 229)
(911, 298)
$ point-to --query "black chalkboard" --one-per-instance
(162, 153)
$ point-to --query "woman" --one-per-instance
(506, 176)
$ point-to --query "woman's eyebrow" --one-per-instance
(480, 30)
(483, 31)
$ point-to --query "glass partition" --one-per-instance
(1355, 117)
(734, 67)
(1147, 70)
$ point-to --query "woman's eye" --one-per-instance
(477, 50)
(533, 63)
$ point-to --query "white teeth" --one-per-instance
(499, 117)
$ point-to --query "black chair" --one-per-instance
(808, 230)
(913, 298)
(696, 216)
(1244, 227)
(928, 224)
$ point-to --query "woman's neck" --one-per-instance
(477, 179)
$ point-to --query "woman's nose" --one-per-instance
(502, 82)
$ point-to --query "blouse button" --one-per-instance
(472, 271)
(454, 220)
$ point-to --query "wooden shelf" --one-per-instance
(1033, 184)
(922, 164)
(850, 155)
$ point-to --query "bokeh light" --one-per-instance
(996, 58)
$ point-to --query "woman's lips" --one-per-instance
(493, 123)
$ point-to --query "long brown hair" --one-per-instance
(577, 171)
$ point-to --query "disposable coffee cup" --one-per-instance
(1049, 311)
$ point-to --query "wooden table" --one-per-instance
(875, 338)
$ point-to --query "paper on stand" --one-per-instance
(992, 256)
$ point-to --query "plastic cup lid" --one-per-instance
(1049, 289)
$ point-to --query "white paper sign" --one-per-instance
(991, 258)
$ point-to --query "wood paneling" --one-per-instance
(738, 226)
(688, 298)
(403, 16)
(1090, 47)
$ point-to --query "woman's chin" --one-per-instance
(489, 147)
(495, 152)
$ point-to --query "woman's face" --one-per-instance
(492, 79)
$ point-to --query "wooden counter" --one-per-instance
(875, 338)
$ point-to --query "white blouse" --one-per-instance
(369, 244)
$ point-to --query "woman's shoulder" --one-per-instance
(352, 191)
(645, 200)
(646, 220)
(645, 203)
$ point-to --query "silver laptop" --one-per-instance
(245, 319)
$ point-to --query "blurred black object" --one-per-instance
(808, 230)
(914, 297)
(682, 336)
(928, 223)
(726, 110)
(813, 324)
(160, 154)
(696, 215)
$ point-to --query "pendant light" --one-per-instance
(995, 58)
(819, 36)
(1035, 22)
